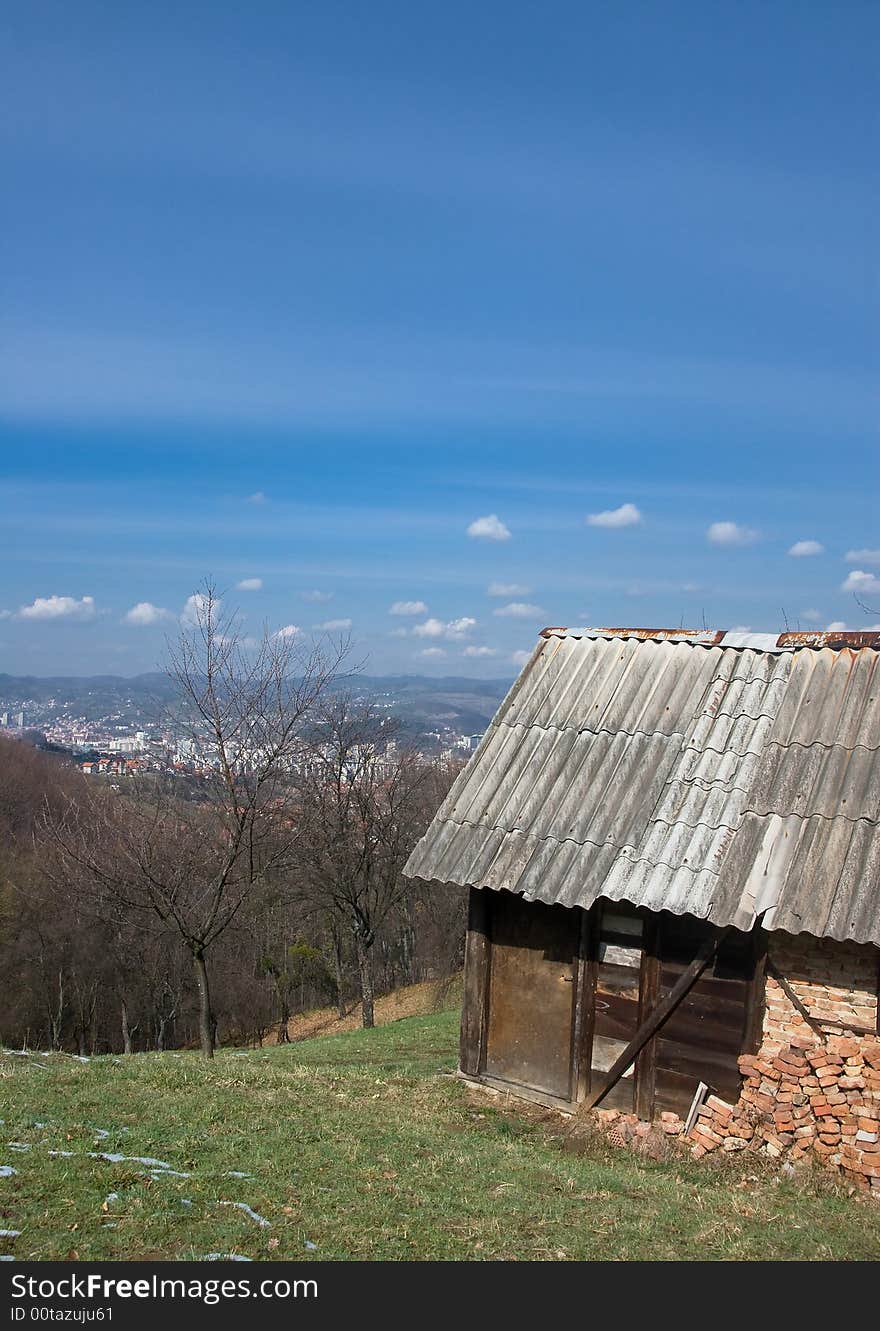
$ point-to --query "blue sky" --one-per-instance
(393, 269)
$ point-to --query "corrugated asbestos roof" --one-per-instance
(702, 773)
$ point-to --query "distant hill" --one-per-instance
(420, 702)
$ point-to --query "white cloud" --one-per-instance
(145, 613)
(625, 516)
(289, 631)
(334, 625)
(438, 628)
(249, 585)
(519, 610)
(505, 589)
(860, 582)
(479, 651)
(740, 628)
(194, 606)
(408, 608)
(316, 597)
(490, 528)
(863, 556)
(730, 533)
(59, 607)
(520, 658)
(432, 628)
(836, 626)
(399, 633)
(257, 497)
(801, 549)
(811, 616)
(431, 653)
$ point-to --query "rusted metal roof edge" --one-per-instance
(836, 640)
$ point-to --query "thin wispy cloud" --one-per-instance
(145, 614)
(489, 528)
(811, 616)
(863, 556)
(803, 549)
(479, 651)
(334, 625)
(257, 498)
(520, 658)
(408, 608)
(625, 516)
(315, 597)
(59, 607)
(505, 589)
(519, 610)
(731, 534)
(249, 585)
(431, 653)
(862, 583)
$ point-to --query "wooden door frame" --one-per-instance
(475, 1013)
(475, 1005)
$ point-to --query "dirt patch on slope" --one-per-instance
(416, 1000)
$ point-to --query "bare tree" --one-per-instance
(191, 864)
(363, 808)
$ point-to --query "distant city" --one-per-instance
(112, 727)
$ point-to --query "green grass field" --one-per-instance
(355, 1146)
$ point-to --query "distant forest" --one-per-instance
(154, 915)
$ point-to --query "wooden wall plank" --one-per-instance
(477, 953)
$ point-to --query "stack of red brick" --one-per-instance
(808, 1098)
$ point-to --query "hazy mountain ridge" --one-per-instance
(419, 701)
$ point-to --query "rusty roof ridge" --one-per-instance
(774, 642)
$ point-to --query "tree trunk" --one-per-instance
(283, 1032)
(337, 971)
(126, 1030)
(365, 974)
(207, 1024)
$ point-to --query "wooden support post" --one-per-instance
(649, 995)
(648, 1028)
(585, 1008)
(472, 1048)
(757, 998)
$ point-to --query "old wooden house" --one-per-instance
(672, 847)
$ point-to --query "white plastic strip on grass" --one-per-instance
(257, 1219)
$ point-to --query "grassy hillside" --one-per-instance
(352, 1146)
